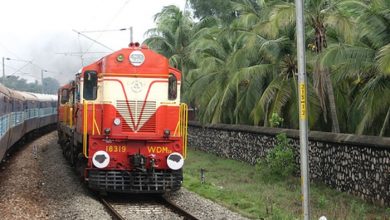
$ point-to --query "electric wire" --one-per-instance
(109, 22)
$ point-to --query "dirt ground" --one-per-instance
(21, 182)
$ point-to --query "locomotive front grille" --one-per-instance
(142, 117)
(135, 181)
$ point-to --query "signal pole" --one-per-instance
(3, 81)
(303, 113)
(131, 34)
(42, 90)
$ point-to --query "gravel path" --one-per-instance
(37, 183)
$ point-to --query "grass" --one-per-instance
(259, 195)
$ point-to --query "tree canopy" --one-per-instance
(51, 85)
(239, 62)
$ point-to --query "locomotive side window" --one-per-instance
(77, 93)
(64, 96)
(90, 85)
(172, 87)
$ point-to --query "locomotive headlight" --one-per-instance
(101, 159)
(167, 132)
(175, 161)
(117, 121)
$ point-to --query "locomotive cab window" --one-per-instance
(90, 85)
(172, 87)
(64, 96)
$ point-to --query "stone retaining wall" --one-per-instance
(356, 164)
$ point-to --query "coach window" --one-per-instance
(172, 87)
(90, 85)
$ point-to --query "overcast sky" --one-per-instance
(41, 31)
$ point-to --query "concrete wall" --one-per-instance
(356, 164)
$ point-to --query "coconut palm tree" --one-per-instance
(320, 16)
(366, 61)
(172, 35)
(267, 47)
(174, 32)
(212, 88)
(244, 72)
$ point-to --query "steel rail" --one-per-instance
(170, 204)
(111, 209)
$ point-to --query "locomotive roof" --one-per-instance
(120, 63)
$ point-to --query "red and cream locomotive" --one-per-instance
(121, 123)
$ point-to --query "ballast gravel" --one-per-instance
(38, 183)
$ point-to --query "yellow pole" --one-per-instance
(85, 133)
(93, 118)
(71, 117)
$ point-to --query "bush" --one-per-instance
(280, 160)
(275, 120)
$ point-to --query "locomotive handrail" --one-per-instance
(85, 130)
(94, 120)
(183, 126)
(71, 117)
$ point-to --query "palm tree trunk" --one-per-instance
(385, 123)
(332, 102)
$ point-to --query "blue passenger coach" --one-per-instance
(23, 113)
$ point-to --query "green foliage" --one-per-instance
(51, 85)
(276, 120)
(239, 62)
(280, 161)
(322, 202)
(219, 8)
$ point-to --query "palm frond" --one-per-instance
(383, 59)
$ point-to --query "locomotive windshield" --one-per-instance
(90, 85)
(64, 96)
(172, 87)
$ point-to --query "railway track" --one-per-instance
(145, 207)
(175, 207)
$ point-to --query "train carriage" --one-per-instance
(16, 121)
(122, 124)
(20, 115)
(31, 103)
(5, 109)
(47, 109)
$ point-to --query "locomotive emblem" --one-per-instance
(101, 159)
(136, 86)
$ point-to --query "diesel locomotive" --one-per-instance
(121, 123)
